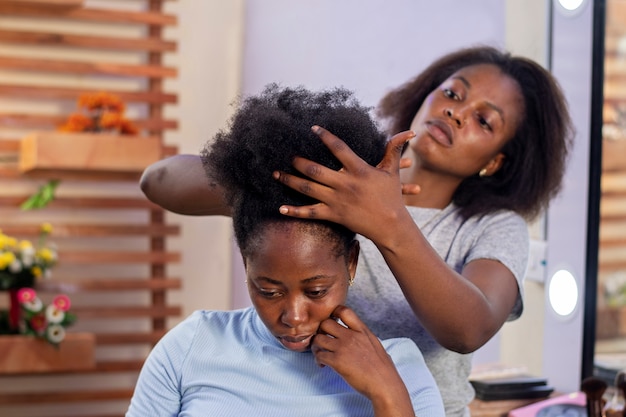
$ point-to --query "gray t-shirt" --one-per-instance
(378, 300)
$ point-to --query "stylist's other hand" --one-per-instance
(359, 196)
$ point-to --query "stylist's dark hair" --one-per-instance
(535, 157)
(265, 134)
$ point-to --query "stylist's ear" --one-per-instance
(493, 165)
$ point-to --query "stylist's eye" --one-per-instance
(484, 123)
(450, 94)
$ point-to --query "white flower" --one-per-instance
(28, 260)
(55, 333)
(15, 266)
(54, 315)
(35, 305)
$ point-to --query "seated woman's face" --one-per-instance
(296, 280)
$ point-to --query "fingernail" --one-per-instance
(316, 129)
(276, 175)
(283, 210)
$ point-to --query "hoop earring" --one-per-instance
(483, 172)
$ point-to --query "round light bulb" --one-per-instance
(563, 293)
(570, 5)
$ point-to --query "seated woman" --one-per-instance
(298, 351)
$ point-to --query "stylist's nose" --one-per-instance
(294, 312)
(455, 115)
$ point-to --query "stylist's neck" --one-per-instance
(436, 191)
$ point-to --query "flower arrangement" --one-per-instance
(44, 321)
(101, 113)
(22, 263)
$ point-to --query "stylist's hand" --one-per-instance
(359, 196)
(359, 357)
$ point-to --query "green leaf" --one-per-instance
(42, 197)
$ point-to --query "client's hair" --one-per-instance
(264, 135)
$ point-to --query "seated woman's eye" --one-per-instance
(317, 293)
(269, 293)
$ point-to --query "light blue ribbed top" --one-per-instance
(227, 363)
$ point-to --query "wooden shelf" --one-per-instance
(52, 152)
(27, 354)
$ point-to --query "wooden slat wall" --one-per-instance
(112, 245)
(612, 251)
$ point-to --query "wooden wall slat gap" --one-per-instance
(93, 15)
(124, 312)
(117, 257)
(87, 41)
(86, 67)
(62, 230)
(49, 121)
(22, 91)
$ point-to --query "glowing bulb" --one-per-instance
(563, 293)
(571, 5)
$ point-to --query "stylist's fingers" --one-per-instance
(338, 148)
(405, 163)
(392, 161)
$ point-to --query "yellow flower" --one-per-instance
(25, 245)
(6, 258)
(36, 271)
(11, 242)
(46, 228)
(46, 254)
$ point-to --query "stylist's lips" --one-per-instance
(440, 131)
(296, 343)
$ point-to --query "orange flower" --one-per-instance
(101, 100)
(110, 120)
(77, 122)
(127, 128)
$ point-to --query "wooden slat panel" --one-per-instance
(84, 203)
(117, 366)
(8, 145)
(111, 284)
(84, 230)
(129, 338)
(13, 173)
(56, 397)
(119, 257)
(118, 312)
(85, 68)
(92, 14)
(45, 121)
(46, 3)
(85, 41)
(62, 93)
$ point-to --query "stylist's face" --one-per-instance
(464, 123)
(296, 280)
